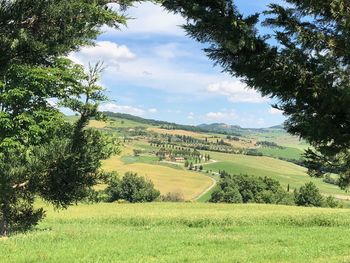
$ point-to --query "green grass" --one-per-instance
(286, 152)
(123, 123)
(285, 172)
(139, 159)
(162, 232)
(206, 197)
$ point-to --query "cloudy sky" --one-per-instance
(154, 71)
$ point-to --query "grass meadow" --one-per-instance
(285, 172)
(184, 232)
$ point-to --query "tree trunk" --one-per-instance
(3, 227)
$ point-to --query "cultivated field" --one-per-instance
(163, 232)
(167, 179)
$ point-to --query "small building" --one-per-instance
(179, 159)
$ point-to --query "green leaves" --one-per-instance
(306, 68)
(41, 154)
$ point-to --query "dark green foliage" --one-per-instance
(132, 188)
(249, 189)
(228, 194)
(113, 192)
(304, 65)
(269, 144)
(308, 195)
(40, 154)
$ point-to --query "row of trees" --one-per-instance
(252, 189)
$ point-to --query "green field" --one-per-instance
(163, 232)
(285, 172)
(170, 177)
(286, 152)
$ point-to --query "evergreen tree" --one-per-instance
(40, 153)
(304, 65)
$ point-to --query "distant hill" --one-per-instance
(221, 128)
(277, 127)
(162, 124)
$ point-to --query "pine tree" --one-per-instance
(304, 65)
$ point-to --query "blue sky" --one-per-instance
(154, 70)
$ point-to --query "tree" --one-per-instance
(304, 65)
(308, 195)
(136, 189)
(248, 189)
(187, 163)
(229, 194)
(40, 153)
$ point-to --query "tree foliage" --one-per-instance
(304, 64)
(40, 153)
(308, 195)
(132, 188)
(249, 189)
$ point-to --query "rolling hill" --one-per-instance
(277, 154)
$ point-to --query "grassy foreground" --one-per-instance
(162, 232)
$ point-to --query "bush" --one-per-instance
(173, 197)
(331, 202)
(229, 194)
(113, 191)
(308, 195)
(249, 189)
(132, 188)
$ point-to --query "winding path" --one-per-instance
(207, 190)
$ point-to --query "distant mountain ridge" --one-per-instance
(222, 128)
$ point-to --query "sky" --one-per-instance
(153, 70)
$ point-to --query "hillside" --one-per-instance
(267, 152)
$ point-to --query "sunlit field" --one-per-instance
(163, 232)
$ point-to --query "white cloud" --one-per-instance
(190, 116)
(222, 116)
(149, 18)
(170, 51)
(274, 111)
(108, 52)
(153, 110)
(236, 92)
(122, 109)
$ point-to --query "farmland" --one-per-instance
(174, 177)
(163, 232)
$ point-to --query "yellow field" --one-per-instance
(166, 179)
(179, 132)
(97, 124)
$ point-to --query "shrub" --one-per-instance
(137, 189)
(131, 187)
(308, 195)
(331, 202)
(113, 191)
(173, 197)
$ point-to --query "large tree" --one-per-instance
(40, 153)
(304, 64)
